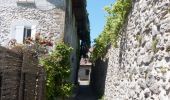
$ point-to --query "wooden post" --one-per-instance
(22, 87)
(0, 84)
(41, 85)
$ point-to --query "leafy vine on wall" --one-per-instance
(117, 14)
(58, 70)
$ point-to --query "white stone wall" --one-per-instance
(38, 4)
(45, 16)
(48, 16)
(140, 68)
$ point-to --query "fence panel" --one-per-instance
(21, 78)
(10, 66)
(41, 84)
(33, 77)
(0, 83)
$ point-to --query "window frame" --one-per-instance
(20, 34)
(25, 34)
(26, 1)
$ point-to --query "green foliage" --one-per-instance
(57, 66)
(168, 48)
(163, 69)
(154, 43)
(139, 39)
(102, 98)
(117, 14)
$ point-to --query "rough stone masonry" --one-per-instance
(139, 69)
(40, 17)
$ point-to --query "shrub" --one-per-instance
(57, 66)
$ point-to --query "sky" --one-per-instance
(97, 16)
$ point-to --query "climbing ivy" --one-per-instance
(117, 14)
(154, 44)
(57, 66)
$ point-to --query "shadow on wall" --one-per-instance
(123, 45)
(122, 50)
(98, 76)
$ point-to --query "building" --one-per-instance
(66, 19)
(84, 71)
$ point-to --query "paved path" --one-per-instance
(85, 93)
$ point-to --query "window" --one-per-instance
(25, 1)
(87, 72)
(19, 34)
(27, 32)
(23, 32)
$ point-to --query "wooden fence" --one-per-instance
(21, 78)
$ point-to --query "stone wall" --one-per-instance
(20, 76)
(45, 16)
(139, 69)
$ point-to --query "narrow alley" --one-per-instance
(85, 93)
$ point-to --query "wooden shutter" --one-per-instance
(19, 34)
(33, 31)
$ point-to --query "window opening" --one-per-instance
(27, 32)
(87, 72)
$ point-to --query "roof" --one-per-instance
(85, 61)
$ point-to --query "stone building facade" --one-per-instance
(139, 69)
(24, 18)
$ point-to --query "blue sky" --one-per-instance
(97, 16)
